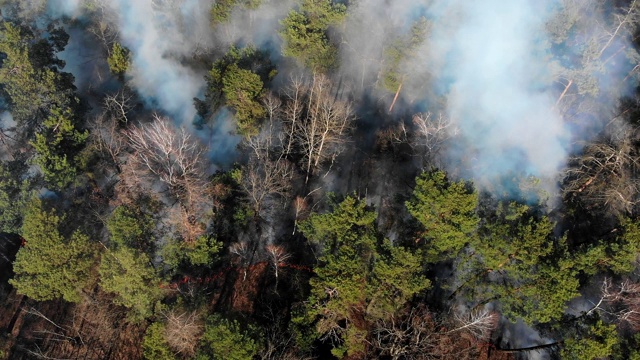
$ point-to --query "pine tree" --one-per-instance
(49, 266)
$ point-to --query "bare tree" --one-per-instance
(104, 23)
(480, 323)
(182, 331)
(119, 104)
(418, 334)
(301, 211)
(277, 257)
(266, 178)
(626, 22)
(172, 156)
(7, 143)
(295, 98)
(243, 253)
(432, 132)
(316, 122)
(620, 302)
(408, 336)
(108, 138)
(605, 176)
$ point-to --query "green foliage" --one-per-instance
(56, 147)
(225, 339)
(628, 349)
(30, 82)
(154, 345)
(49, 266)
(360, 279)
(598, 342)
(222, 9)
(515, 256)
(202, 252)
(401, 50)
(128, 273)
(447, 211)
(238, 80)
(119, 59)
(130, 227)
(527, 268)
(305, 33)
(243, 90)
(620, 255)
(15, 194)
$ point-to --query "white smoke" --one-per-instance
(493, 63)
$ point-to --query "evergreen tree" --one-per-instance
(30, 81)
(154, 345)
(49, 266)
(225, 339)
(128, 273)
(360, 278)
(119, 59)
(305, 33)
(446, 210)
(15, 194)
(57, 146)
(238, 80)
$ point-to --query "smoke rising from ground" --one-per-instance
(158, 46)
(498, 69)
(492, 65)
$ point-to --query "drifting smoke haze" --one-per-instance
(163, 37)
(496, 71)
(256, 26)
(363, 45)
(158, 44)
(493, 67)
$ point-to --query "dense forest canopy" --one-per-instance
(319, 179)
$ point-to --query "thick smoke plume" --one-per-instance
(165, 36)
(498, 70)
(493, 66)
(159, 44)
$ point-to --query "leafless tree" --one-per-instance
(620, 302)
(316, 122)
(268, 173)
(182, 331)
(480, 323)
(624, 22)
(411, 335)
(242, 252)
(8, 143)
(266, 178)
(108, 138)
(295, 98)
(119, 104)
(432, 132)
(605, 176)
(277, 257)
(104, 23)
(172, 156)
(417, 334)
(279, 342)
(301, 211)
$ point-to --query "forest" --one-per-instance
(319, 179)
